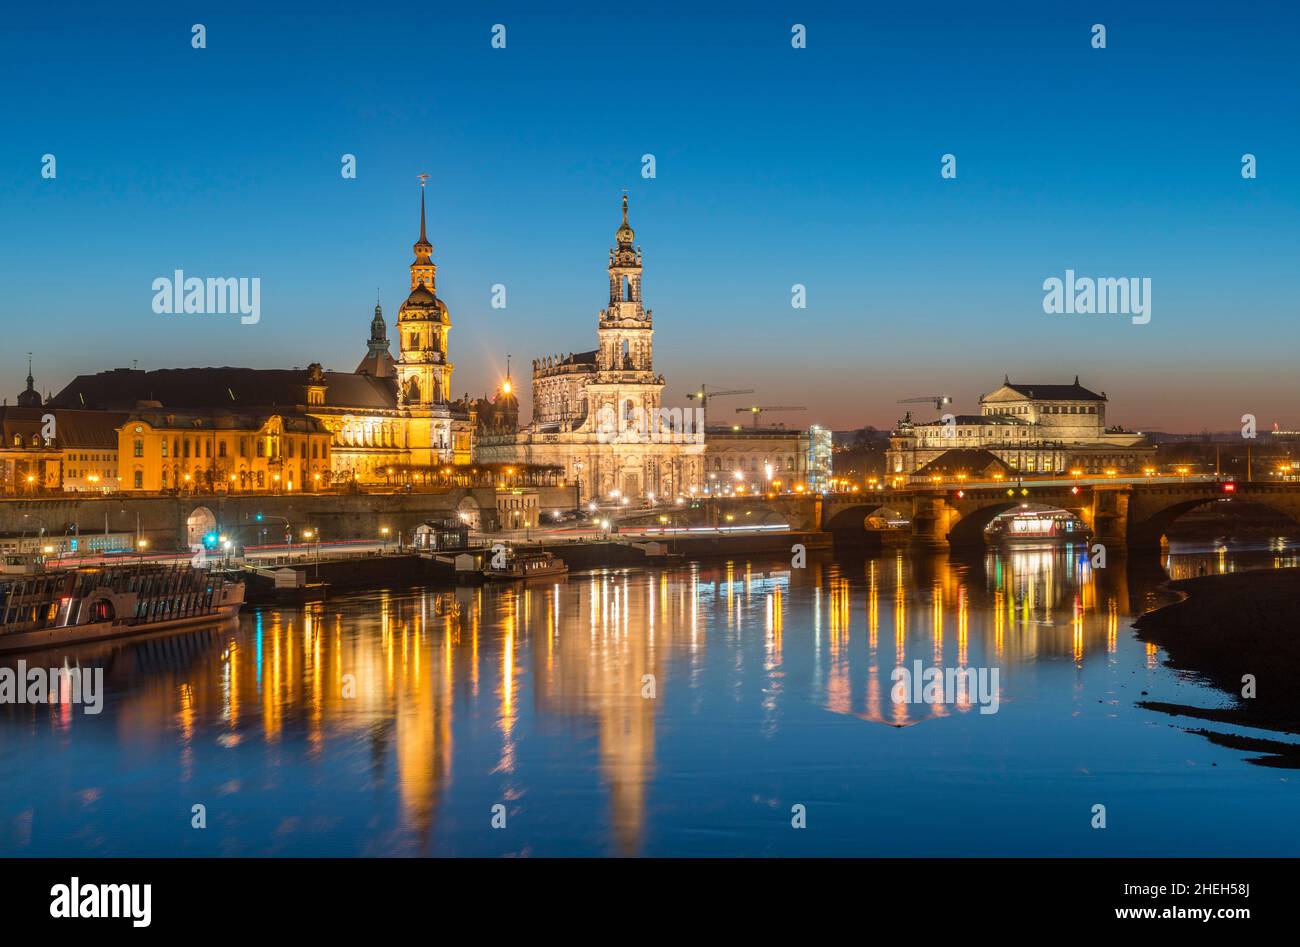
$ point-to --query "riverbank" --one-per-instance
(394, 570)
(1227, 627)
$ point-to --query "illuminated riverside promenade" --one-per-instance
(772, 687)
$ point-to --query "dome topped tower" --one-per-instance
(29, 398)
(378, 361)
(423, 372)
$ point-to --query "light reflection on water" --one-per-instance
(663, 711)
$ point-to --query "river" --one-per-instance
(699, 709)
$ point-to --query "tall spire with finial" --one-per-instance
(423, 179)
(423, 270)
(30, 398)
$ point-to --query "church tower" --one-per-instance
(423, 372)
(378, 362)
(624, 396)
(625, 326)
(30, 397)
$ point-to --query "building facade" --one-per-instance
(1032, 429)
(210, 450)
(757, 458)
(599, 415)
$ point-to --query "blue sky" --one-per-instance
(774, 166)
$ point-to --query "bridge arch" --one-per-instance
(1149, 530)
(855, 517)
(198, 524)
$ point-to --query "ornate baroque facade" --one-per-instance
(1044, 429)
(599, 415)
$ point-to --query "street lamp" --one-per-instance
(383, 531)
(309, 535)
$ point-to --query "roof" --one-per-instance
(377, 365)
(91, 430)
(969, 459)
(1074, 392)
(231, 388)
(20, 420)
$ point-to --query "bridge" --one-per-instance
(1128, 514)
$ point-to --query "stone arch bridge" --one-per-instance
(1119, 515)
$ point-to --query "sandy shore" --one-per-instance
(1229, 626)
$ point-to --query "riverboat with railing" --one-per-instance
(42, 608)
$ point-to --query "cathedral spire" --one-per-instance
(423, 269)
(423, 179)
(423, 248)
(30, 398)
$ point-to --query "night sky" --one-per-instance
(774, 166)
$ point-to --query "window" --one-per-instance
(221, 449)
(139, 478)
(138, 450)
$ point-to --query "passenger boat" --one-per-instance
(48, 609)
(526, 565)
(1034, 528)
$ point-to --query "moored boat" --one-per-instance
(526, 565)
(49, 609)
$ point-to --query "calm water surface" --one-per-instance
(772, 688)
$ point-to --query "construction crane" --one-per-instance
(705, 393)
(937, 400)
(760, 408)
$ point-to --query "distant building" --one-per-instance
(757, 457)
(496, 415)
(30, 462)
(89, 445)
(1032, 429)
